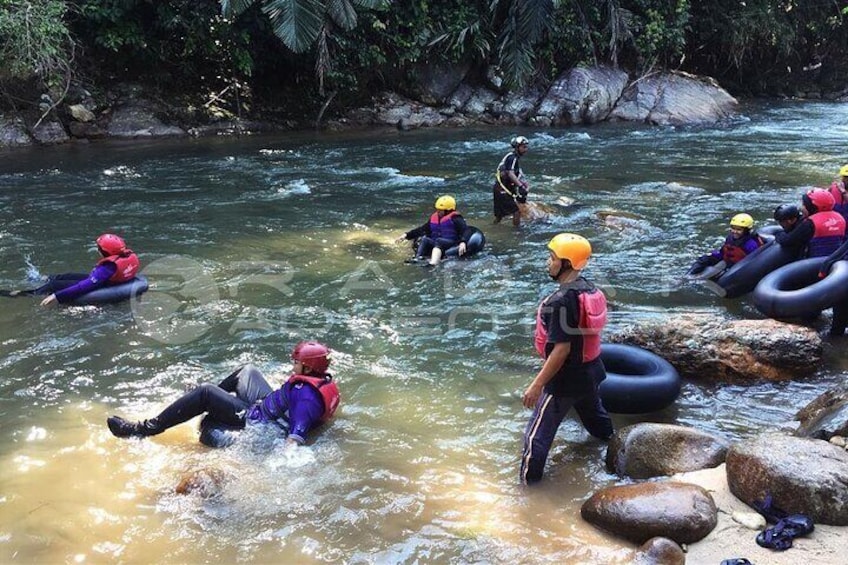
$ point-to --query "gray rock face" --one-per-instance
(50, 133)
(826, 416)
(659, 551)
(682, 512)
(803, 476)
(646, 450)
(707, 348)
(437, 82)
(138, 119)
(582, 96)
(674, 99)
(13, 133)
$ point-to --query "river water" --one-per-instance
(252, 244)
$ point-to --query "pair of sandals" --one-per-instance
(787, 527)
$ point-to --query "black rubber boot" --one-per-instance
(124, 428)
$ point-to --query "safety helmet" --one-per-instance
(786, 212)
(573, 247)
(742, 221)
(519, 140)
(843, 172)
(111, 244)
(445, 203)
(818, 200)
(313, 354)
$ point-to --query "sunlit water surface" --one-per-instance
(252, 244)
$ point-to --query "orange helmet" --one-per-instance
(573, 247)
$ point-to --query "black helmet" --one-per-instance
(786, 212)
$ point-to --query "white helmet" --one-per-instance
(519, 140)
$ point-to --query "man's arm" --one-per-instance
(553, 364)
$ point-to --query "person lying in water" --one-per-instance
(740, 242)
(118, 264)
(307, 399)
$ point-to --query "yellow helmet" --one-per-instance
(573, 247)
(742, 221)
(843, 172)
(445, 203)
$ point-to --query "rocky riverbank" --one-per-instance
(584, 95)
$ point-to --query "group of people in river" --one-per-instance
(568, 327)
(569, 323)
(816, 228)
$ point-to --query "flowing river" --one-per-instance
(252, 244)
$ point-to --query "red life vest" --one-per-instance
(326, 388)
(733, 250)
(591, 321)
(829, 231)
(837, 190)
(127, 266)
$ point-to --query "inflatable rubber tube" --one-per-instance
(217, 434)
(705, 272)
(114, 293)
(743, 277)
(475, 244)
(768, 232)
(796, 291)
(638, 381)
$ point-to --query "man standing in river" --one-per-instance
(509, 191)
(568, 335)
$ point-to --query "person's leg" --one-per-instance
(516, 218)
(248, 383)
(594, 416)
(539, 435)
(840, 319)
(58, 282)
(209, 398)
(425, 247)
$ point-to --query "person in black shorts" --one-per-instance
(509, 192)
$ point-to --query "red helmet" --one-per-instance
(821, 199)
(313, 354)
(111, 244)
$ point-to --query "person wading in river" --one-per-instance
(509, 192)
(568, 335)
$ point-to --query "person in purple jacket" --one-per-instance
(307, 399)
(118, 264)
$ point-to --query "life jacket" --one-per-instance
(326, 387)
(127, 266)
(591, 321)
(516, 168)
(837, 190)
(444, 227)
(829, 231)
(733, 250)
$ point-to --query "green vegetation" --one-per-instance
(288, 53)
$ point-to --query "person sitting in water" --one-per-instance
(820, 232)
(307, 399)
(740, 242)
(445, 229)
(118, 264)
(788, 216)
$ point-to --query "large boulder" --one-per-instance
(682, 512)
(826, 416)
(803, 476)
(646, 450)
(583, 95)
(674, 99)
(711, 348)
(138, 119)
(50, 132)
(13, 132)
